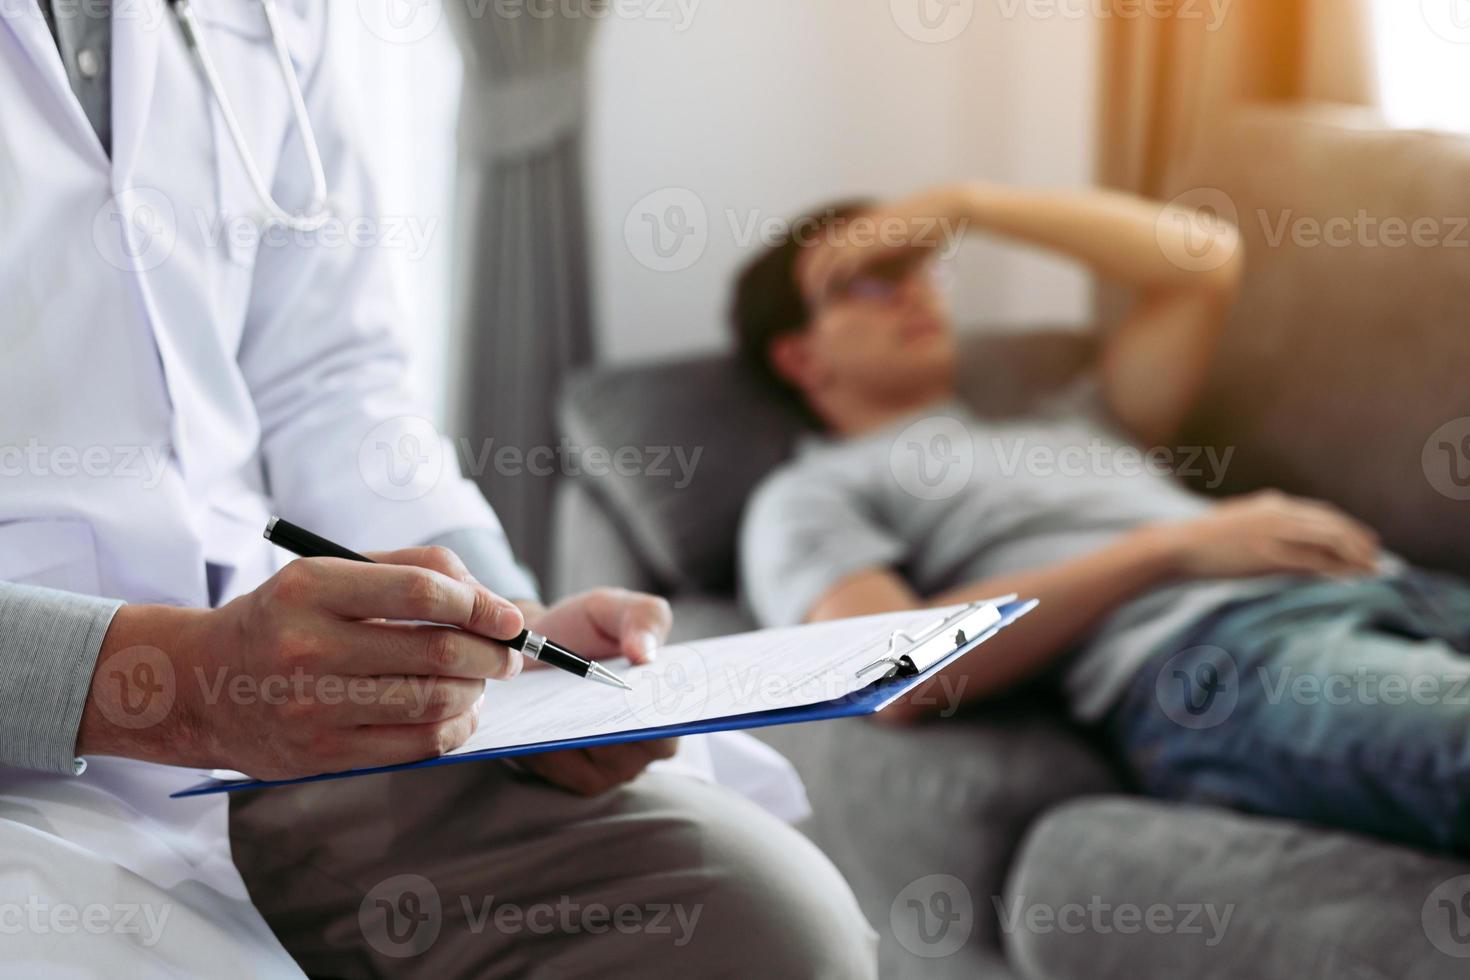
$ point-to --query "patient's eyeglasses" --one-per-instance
(885, 284)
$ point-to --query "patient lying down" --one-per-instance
(1172, 622)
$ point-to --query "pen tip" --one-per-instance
(602, 674)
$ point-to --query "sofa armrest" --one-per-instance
(588, 549)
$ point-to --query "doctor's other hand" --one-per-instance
(600, 624)
(326, 666)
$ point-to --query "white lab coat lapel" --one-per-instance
(134, 68)
(28, 25)
(167, 290)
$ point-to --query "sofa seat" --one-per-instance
(1274, 898)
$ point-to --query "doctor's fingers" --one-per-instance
(387, 745)
(432, 557)
(408, 649)
(358, 590)
(400, 700)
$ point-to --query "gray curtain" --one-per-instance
(522, 283)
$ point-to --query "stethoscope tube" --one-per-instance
(317, 213)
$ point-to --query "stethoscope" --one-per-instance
(317, 212)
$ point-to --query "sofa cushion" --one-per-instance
(924, 821)
(1342, 371)
(1301, 902)
(717, 432)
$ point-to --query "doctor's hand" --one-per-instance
(600, 624)
(305, 675)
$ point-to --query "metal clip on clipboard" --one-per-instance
(909, 654)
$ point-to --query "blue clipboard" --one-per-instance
(867, 701)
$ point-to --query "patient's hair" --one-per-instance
(768, 303)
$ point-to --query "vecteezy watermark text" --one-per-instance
(939, 21)
(566, 458)
(1098, 457)
(40, 916)
(669, 230)
(938, 457)
(411, 21)
(1364, 230)
(144, 464)
(410, 234)
(402, 917)
(1099, 917)
(1212, 12)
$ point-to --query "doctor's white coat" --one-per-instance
(162, 359)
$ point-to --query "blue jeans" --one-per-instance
(1341, 703)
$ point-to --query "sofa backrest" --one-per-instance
(1345, 369)
(683, 520)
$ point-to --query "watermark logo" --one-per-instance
(943, 234)
(933, 459)
(678, 14)
(401, 916)
(38, 916)
(1211, 12)
(668, 230)
(1197, 230)
(415, 694)
(1446, 917)
(1449, 19)
(675, 464)
(1362, 686)
(136, 230)
(145, 465)
(400, 21)
(248, 233)
(1097, 457)
(933, 916)
(1198, 688)
(1098, 917)
(147, 14)
(1364, 230)
(675, 685)
(142, 687)
(1446, 459)
(402, 458)
(932, 21)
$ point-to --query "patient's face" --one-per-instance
(885, 338)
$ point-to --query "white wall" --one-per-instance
(734, 109)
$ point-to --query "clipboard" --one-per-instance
(911, 659)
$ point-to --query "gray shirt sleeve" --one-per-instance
(488, 556)
(49, 642)
(801, 537)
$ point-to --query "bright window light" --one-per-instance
(1423, 49)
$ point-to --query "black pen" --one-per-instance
(300, 541)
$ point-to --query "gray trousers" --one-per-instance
(476, 871)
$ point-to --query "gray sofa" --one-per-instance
(1001, 843)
